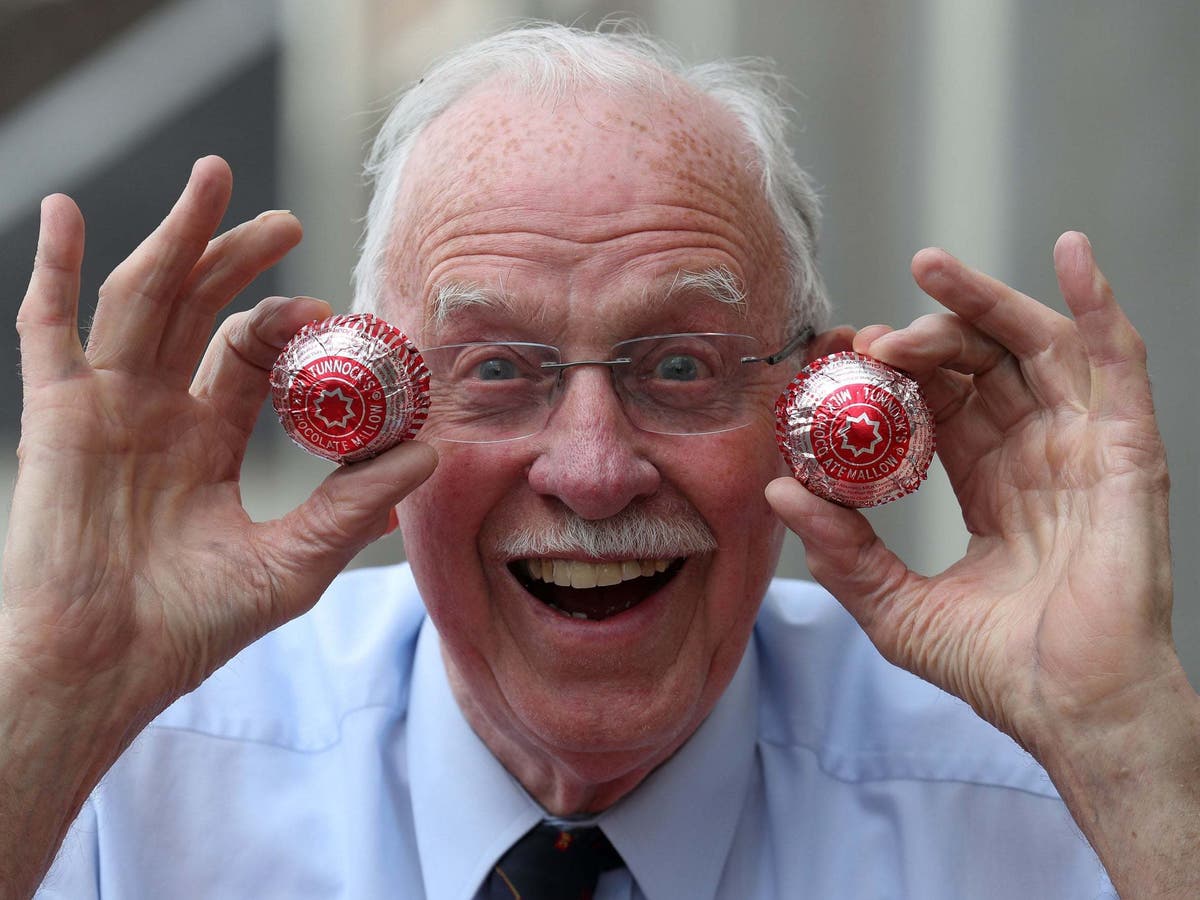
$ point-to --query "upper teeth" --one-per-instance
(577, 574)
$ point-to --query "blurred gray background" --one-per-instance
(984, 127)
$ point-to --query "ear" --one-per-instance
(832, 341)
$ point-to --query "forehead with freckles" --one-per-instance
(504, 182)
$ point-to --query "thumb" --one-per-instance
(349, 509)
(850, 560)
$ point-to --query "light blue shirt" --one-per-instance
(330, 760)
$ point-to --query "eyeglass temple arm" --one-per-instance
(805, 335)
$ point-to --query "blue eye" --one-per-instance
(496, 369)
(678, 368)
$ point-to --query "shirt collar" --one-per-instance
(467, 809)
(674, 830)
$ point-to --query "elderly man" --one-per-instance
(599, 698)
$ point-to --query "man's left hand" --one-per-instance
(1056, 624)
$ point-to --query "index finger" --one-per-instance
(139, 297)
(48, 318)
(1045, 344)
(1026, 327)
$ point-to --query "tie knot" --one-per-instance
(553, 863)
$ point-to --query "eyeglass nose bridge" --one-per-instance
(560, 369)
(561, 366)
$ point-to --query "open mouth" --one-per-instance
(587, 590)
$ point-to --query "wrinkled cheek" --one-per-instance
(750, 532)
(439, 525)
(444, 490)
(741, 465)
(450, 505)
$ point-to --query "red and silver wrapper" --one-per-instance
(349, 387)
(855, 431)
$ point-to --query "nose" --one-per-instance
(590, 457)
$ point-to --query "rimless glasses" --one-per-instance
(679, 384)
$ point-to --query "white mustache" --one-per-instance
(634, 533)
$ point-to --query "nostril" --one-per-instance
(593, 471)
(595, 488)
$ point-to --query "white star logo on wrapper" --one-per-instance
(855, 431)
(330, 403)
(848, 431)
(350, 387)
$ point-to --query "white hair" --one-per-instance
(717, 282)
(548, 60)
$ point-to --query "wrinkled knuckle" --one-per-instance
(1154, 467)
(1160, 479)
(965, 339)
(234, 328)
(28, 321)
(908, 629)
(239, 335)
(1141, 457)
(333, 518)
(875, 570)
(929, 322)
(878, 567)
(1062, 334)
(42, 266)
(26, 324)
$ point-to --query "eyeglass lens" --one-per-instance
(668, 384)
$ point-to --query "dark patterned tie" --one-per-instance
(552, 863)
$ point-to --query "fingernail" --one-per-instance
(302, 298)
(937, 274)
(266, 214)
(278, 325)
(879, 345)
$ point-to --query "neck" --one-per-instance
(564, 783)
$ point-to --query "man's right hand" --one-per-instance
(131, 569)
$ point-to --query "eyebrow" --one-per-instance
(454, 296)
(716, 282)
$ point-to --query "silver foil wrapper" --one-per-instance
(349, 387)
(855, 431)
